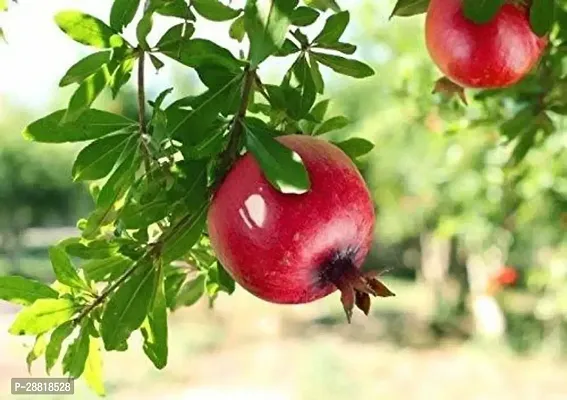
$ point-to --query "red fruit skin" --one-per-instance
(274, 244)
(492, 55)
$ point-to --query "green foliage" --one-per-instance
(143, 252)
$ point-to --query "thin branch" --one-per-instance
(230, 155)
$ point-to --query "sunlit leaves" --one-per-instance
(64, 270)
(198, 52)
(92, 124)
(106, 269)
(37, 350)
(155, 329)
(53, 349)
(334, 28)
(24, 291)
(408, 8)
(355, 147)
(76, 355)
(87, 29)
(42, 316)
(332, 124)
(267, 23)
(87, 93)
(215, 10)
(344, 66)
(122, 13)
(85, 68)
(93, 367)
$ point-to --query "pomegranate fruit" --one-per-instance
(297, 248)
(492, 55)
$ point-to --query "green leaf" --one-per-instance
(174, 36)
(143, 29)
(53, 349)
(121, 75)
(200, 52)
(156, 62)
(316, 76)
(96, 249)
(267, 23)
(98, 159)
(355, 147)
(319, 111)
(334, 28)
(92, 124)
(138, 216)
(86, 94)
(408, 8)
(154, 330)
(175, 8)
(107, 269)
(93, 367)
(190, 292)
(282, 167)
(304, 16)
(173, 284)
(344, 66)
(345, 48)
(122, 13)
(218, 276)
(127, 308)
(76, 356)
(85, 68)
(88, 30)
(332, 124)
(42, 316)
(481, 11)
(307, 90)
(64, 270)
(237, 29)
(516, 125)
(214, 10)
(181, 238)
(323, 5)
(24, 291)
(37, 351)
(542, 16)
(288, 48)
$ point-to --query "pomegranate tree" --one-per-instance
(294, 249)
(489, 55)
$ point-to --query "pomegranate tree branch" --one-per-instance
(236, 132)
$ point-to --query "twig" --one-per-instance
(228, 157)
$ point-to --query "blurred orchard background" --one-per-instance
(479, 264)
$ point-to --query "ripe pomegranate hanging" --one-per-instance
(297, 248)
(492, 55)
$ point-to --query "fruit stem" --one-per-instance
(354, 285)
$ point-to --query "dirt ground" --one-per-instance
(247, 349)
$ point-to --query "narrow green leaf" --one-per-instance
(122, 13)
(93, 367)
(156, 62)
(173, 284)
(107, 269)
(200, 52)
(37, 351)
(64, 270)
(344, 66)
(96, 249)
(316, 75)
(85, 68)
(92, 124)
(282, 167)
(76, 356)
(481, 11)
(214, 10)
(87, 29)
(408, 8)
(42, 316)
(319, 110)
(332, 124)
(98, 159)
(53, 349)
(174, 36)
(175, 8)
(542, 16)
(24, 291)
(334, 28)
(184, 235)
(288, 48)
(190, 292)
(127, 308)
(304, 16)
(323, 5)
(355, 147)
(237, 29)
(86, 94)
(345, 48)
(143, 29)
(154, 330)
(307, 89)
(267, 23)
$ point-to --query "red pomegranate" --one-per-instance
(294, 249)
(491, 55)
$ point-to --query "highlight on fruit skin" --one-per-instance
(495, 54)
(292, 249)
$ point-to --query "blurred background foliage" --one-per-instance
(459, 196)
